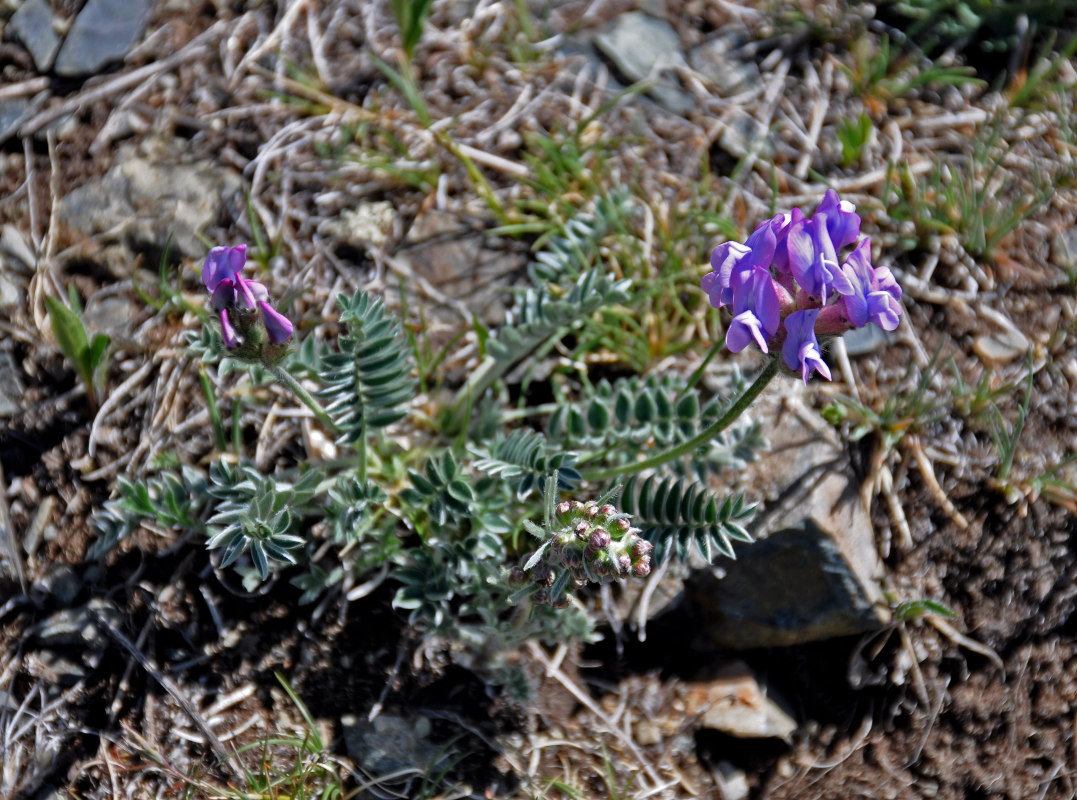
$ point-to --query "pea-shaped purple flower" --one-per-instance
(235, 298)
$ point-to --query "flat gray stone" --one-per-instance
(142, 200)
(113, 315)
(742, 133)
(635, 43)
(33, 25)
(103, 32)
(866, 339)
(718, 61)
(452, 257)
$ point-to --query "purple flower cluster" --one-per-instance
(785, 286)
(240, 301)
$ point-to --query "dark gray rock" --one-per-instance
(635, 43)
(390, 743)
(815, 572)
(33, 25)
(78, 627)
(62, 583)
(793, 587)
(103, 32)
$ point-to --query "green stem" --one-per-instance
(292, 383)
(214, 411)
(703, 437)
(698, 372)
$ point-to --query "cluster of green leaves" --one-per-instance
(853, 134)
(676, 513)
(542, 313)
(411, 16)
(962, 198)
(168, 500)
(367, 383)
(992, 25)
(256, 514)
(525, 456)
(88, 356)
(884, 73)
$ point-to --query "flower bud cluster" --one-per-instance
(786, 284)
(594, 543)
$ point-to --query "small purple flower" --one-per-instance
(223, 263)
(230, 291)
(781, 225)
(756, 310)
(875, 293)
(842, 221)
(801, 348)
(730, 259)
(814, 259)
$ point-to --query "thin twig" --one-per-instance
(169, 686)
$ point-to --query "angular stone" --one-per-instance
(112, 315)
(793, 587)
(62, 583)
(103, 32)
(142, 200)
(717, 60)
(390, 743)
(733, 702)
(15, 251)
(33, 25)
(11, 388)
(78, 627)
(1000, 348)
(452, 257)
(814, 573)
(17, 110)
(742, 133)
(635, 43)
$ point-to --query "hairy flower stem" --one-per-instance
(703, 437)
(292, 383)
